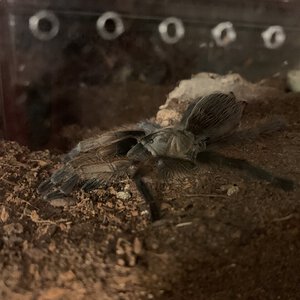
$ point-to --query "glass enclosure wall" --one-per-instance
(106, 63)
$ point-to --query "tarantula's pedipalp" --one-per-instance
(151, 151)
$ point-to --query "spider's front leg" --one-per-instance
(148, 196)
(87, 164)
(87, 173)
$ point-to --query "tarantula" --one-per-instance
(208, 122)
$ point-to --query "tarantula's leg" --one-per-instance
(95, 175)
(111, 143)
(139, 170)
(59, 184)
(86, 163)
(210, 157)
(88, 172)
(147, 195)
(160, 167)
(148, 126)
(265, 127)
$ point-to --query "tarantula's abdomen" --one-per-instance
(214, 116)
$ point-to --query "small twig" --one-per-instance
(51, 222)
(206, 195)
(27, 202)
(41, 221)
(286, 218)
(184, 224)
(14, 164)
(23, 212)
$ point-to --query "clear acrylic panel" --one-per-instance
(107, 63)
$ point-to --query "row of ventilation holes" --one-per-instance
(223, 33)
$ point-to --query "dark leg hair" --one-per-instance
(147, 195)
(243, 165)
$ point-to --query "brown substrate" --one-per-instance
(222, 236)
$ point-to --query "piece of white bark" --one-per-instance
(206, 83)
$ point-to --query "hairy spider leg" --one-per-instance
(210, 157)
(87, 163)
(262, 128)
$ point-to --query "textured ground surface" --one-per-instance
(223, 236)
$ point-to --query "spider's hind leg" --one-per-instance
(211, 157)
(265, 127)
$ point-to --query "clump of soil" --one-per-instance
(222, 236)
